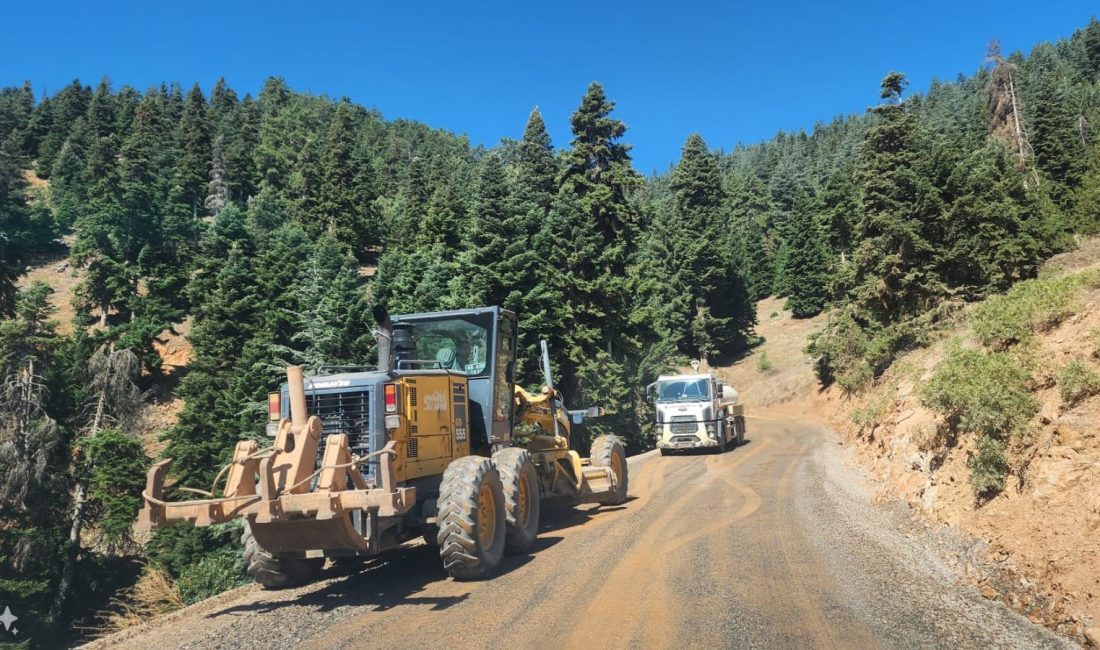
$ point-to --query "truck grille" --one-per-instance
(343, 413)
(683, 424)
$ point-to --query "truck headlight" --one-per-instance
(712, 429)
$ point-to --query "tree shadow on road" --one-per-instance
(564, 517)
(383, 583)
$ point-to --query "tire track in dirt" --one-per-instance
(636, 600)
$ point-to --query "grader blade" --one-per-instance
(291, 508)
(598, 481)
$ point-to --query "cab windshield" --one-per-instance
(681, 390)
(455, 344)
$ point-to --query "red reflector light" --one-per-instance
(391, 398)
(273, 413)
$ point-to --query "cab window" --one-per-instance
(454, 344)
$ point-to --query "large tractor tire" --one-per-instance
(274, 573)
(471, 518)
(521, 498)
(607, 451)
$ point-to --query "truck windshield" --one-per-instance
(672, 390)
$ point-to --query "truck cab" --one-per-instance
(696, 411)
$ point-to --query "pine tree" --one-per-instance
(217, 190)
(33, 486)
(838, 212)
(1059, 153)
(55, 119)
(480, 281)
(537, 168)
(1092, 46)
(194, 137)
(529, 291)
(223, 104)
(332, 319)
(67, 190)
(750, 210)
(108, 280)
(807, 266)
(894, 265)
(14, 221)
(345, 197)
(714, 308)
(245, 128)
(226, 322)
(997, 230)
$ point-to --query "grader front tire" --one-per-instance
(471, 518)
(521, 498)
(274, 573)
(608, 451)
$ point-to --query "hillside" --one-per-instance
(211, 237)
(1042, 531)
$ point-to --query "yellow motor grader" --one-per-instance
(423, 446)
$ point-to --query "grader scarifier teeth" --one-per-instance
(272, 488)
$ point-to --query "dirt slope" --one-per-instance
(1044, 529)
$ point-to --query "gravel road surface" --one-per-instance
(773, 544)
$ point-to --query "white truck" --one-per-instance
(696, 411)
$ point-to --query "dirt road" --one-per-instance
(773, 544)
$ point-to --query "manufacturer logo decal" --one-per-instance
(336, 383)
(436, 401)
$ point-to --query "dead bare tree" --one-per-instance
(27, 438)
(1006, 122)
(114, 401)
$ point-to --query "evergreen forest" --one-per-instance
(265, 228)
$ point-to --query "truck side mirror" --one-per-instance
(651, 393)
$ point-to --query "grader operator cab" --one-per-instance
(436, 442)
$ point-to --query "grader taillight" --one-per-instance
(274, 413)
(391, 398)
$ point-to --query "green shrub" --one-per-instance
(1077, 381)
(1029, 306)
(113, 465)
(853, 355)
(873, 409)
(982, 393)
(763, 364)
(213, 574)
(179, 547)
(988, 468)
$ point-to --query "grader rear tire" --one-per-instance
(274, 573)
(521, 498)
(607, 451)
(471, 518)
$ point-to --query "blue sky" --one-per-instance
(733, 71)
